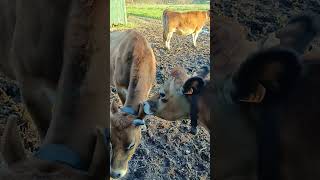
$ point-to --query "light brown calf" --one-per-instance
(56, 51)
(132, 68)
(183, 23)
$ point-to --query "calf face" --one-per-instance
(125, 138)
(170, 102)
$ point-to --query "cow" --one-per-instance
(265, 107)
(56, 52)
(132, 73)
(183, 23)
(171, 96)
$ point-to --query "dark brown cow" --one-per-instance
(56, 51)
(133, 71)
(265, 108)
(183, 23)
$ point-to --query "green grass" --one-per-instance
(123, 27)
(155, 11)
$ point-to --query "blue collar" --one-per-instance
(129, 110)
(61, 153)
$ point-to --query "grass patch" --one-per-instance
(120, 27)
(155, 10)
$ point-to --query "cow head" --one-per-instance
(263, 81)
(266, 75)
(125, 138)
(170, 102)
(29, 168)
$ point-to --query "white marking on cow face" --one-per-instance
(125, 138)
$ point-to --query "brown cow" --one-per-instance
(56, 51)
(183, 23)
(165, 103)
(132, 68)
(272, 93)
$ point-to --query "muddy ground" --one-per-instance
(264, 16)
(168, 150)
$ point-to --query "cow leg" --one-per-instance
(169, 36)
(165, 38)
(38, 99)
(193, 40)
(195, 36)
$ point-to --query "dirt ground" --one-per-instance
(167, 150)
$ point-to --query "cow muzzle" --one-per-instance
(149, 107)
(119, 173)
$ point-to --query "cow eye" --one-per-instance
(130, 146)
(164, 100)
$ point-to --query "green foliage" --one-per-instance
(155, 10)
(120, 27)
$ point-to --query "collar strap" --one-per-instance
(62, 154)
(194, 111)
(193, 99)
(129, 110)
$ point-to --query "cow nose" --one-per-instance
(149, 107)
(153, 105)
(115, 175)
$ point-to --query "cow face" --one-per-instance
(29, 168)
(170, 102)
(125, 138)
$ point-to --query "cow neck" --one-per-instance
(268, 144)
(80, 107)
(134, 98)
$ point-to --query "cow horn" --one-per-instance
(138, 122)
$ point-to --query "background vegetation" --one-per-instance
(155, 10)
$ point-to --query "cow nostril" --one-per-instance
(162, 95)
(115, 175)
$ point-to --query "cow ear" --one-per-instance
(12, 148)
(271, 73)
(114, 107)
(193, 86)
(179, 74)
(203, 72)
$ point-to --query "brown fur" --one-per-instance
(56, 52)
(133, 68)
(294, 104)
(183, 23)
